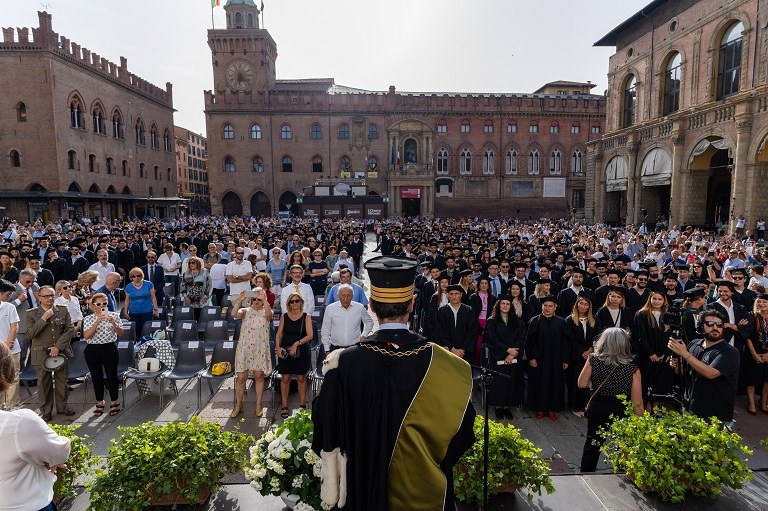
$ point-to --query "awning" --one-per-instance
(75, 196)
(616, 175)
(657, 168)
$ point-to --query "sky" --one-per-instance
(416, 45)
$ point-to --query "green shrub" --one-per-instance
(80, 461)
(671, 454)
(513, 462)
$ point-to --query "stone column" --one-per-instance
(633, 209)
(677, 191)
(739, 176)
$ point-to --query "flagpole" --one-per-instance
(213, 25)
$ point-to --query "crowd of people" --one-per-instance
(528, 298)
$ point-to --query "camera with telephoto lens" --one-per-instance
(675, 318)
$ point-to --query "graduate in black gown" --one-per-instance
(394, 413)
(613, 313)
(652, 335)
(505, 338)
(548, 351)
(582, 330)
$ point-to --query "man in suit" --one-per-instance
(25, 297)
(44, 276)
(49, 330)
(153, 272)
(568, 296)
(739, 325)
(456, 326)
(76, 263)
(112, 282)
(528, 286)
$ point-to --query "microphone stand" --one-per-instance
(486, 376)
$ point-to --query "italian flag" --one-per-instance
(215, 3)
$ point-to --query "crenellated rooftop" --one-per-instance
(45, 39)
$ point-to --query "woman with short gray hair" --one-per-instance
(610, 371)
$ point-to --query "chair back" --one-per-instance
(169, 290)
(162, 313)
(183, 312)
(152, 326)
(210, 313)
(129, 331)
(190, 359)
(184, 330)
(224, 351)
(77, 368)
(315, 335)
(319, 360)
(216, 330)
(236, 335)
(125, 356)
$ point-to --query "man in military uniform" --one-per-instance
(49, 331)
(394, 413)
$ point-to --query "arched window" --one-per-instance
(255, 132)
(672, 84)
(630, 102)
(71, 159)
(94, 189)
(373, 162)
(344, 131)
(554, 128)
(117, 125)
(465, 127)
(285, 132)
(511, 127)
(21, 112)
(168, 174)
(729, 63)
(465, 162)
(229, 132)
(250, 20)
(488, 127)
(98, 120)
(238, 20)
(533, 162)
(317, 164)
(157, 172)
(576, 163)
(344, 163)
(533, 127)
(110, 166)
(442, 161)
(124, 166)
(555, 162)
(442, 127)
(229, 164)
(167, 141)
(489, 166)
(141, 170)
(15, 158)
(154, 138)
(287, 163)
(316, 132)
(373, 132)
(139, 129)
(257, 164)
(76, 113)
(91, 163)
(73, 187)
(511, 163)
(575, 128)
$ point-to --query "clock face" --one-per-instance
(240, 75)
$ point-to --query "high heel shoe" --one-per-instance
(259, 410)
(236, 412)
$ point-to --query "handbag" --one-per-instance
(594, 393)
(220, 368)
(149, 365)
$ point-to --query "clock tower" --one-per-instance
(243, 55)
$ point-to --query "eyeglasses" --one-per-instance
(45, 296)
(714, 324)
(136, 276)
(294, 301)
(100, 304)
(239, 253)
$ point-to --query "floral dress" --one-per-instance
(253, 347)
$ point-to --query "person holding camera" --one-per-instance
(100, 331)
(293, 337)
(713, 366)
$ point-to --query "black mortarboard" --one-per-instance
(544, 281)
(695, 292)
(548, 298)
(466, 272)
(726, 283)
(455, 287)
(579, 271)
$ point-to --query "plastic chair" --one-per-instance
(184, 331)
(215, 331)
(152, 326)
(208, 313)
(182, 312)
(317, 376)
(162, 313)
(169, 290)
(126, 359)
(223, 351)
(27, 373)
(129, 332)
(190, 361)
(134, 374)
(76, 366)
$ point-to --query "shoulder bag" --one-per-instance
(594, 392)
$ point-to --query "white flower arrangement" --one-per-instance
(283, 461)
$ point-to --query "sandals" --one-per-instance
(236, 412)
(99, 411)
(284, 412)
(114, 409)
(259, 410)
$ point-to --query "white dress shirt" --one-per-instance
(238, 270)
(341, 326)
(102, 270)
(304, 290)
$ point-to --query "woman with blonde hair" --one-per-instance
(610, 371)
(613, 312)
(64, 297)
(582, 330)
(83, 289)
(196, 286)
(140, 299)
(652, 335)
(294, 333)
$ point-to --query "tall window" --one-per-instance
(464, 127)
(255, 132)
(344, 163)
(373, 132)
(489, 166)
(533, 162)
(15, 159)
(117, 125)
(98, 120)
(229, 164)
(141, 170)
(442, 127)
(316, 132)
(344, 131)
(511, 163)
(229, 132)
(167, 141)
(577, 198)
(465, 162)
(576, 163)
(76, 114)
(257, 165)
(729, 64)
(554, 128)
(110, 166)
(71, 159)
(317, 164)
(154, 138)
(139, 129)
(533, 127)
(488, 127)
(672, 84)
(512, 127)
(21, 112)
(286, 133)
(442, 161)
(157, 172)
(630, 102)
(555, 162)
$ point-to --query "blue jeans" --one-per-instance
(49, 507)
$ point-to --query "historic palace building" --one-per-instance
(192, 169)
(687, 116)
(434, 154)
(80, 135)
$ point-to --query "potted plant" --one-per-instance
(284, 464)
(81, 460)
(673, 454)
(175, 463)
(513, 464)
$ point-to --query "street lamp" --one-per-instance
(385, 198)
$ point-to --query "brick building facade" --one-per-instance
(192, 169)
(69, 123)
(434, 154)
(687, 116)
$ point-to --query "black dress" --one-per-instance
(582, 336)
(292, 332)
(757, 374)
(499, 337)
(318, 284)
(652, 340)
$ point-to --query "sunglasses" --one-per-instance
(100, 304)
(65, 287)
(714, 324)
(295, 301)
(738, 278)
(239, 253)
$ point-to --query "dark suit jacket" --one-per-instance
(42, 334)
(111, 300)
(567, 298)
(462, 334)
(739, 338)
(72, 270)
(158, 280)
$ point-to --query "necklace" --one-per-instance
(377, 349)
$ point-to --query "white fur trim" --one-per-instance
(331, 361)
(333, 477)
